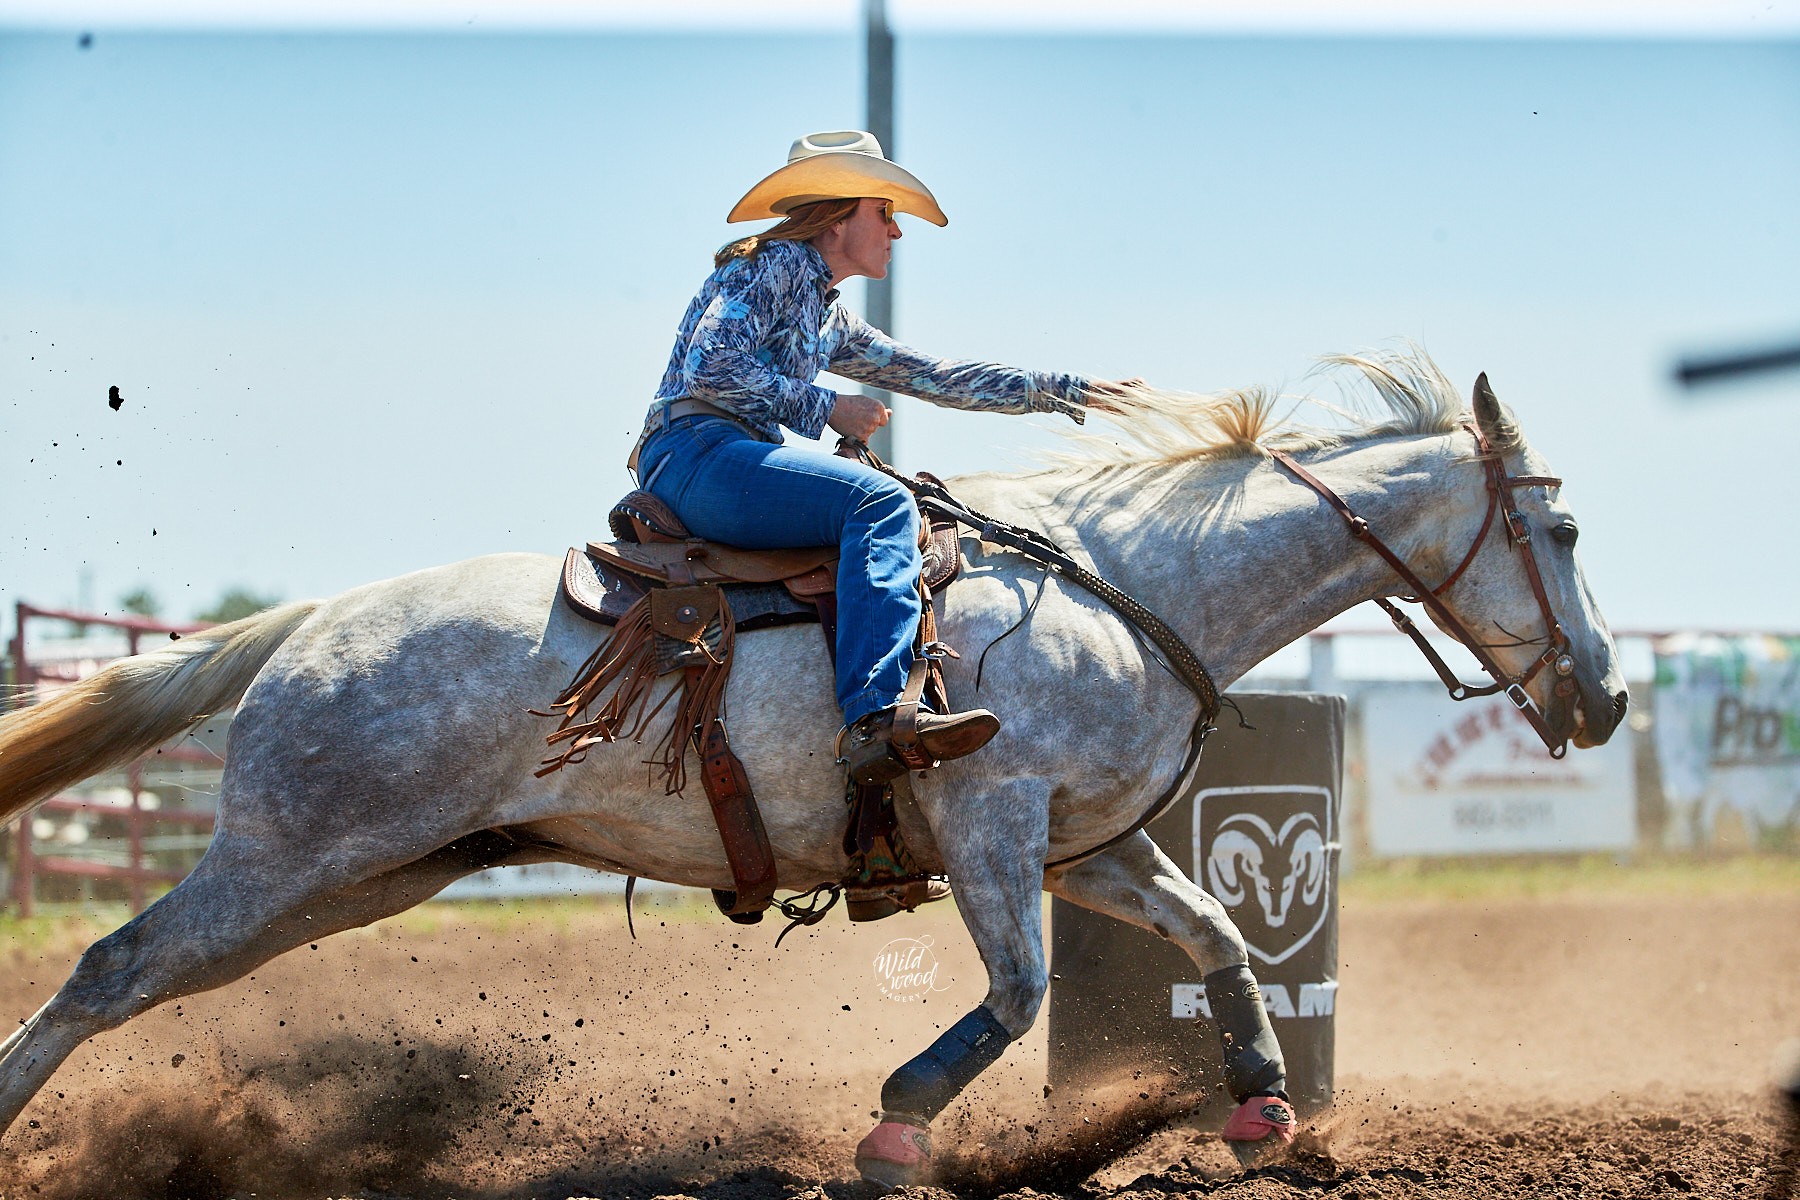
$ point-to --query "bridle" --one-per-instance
(1556, 654)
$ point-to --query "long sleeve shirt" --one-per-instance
(762, 329)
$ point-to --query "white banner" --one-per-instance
(1727, 738)
(1473, 778)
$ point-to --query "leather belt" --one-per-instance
(660, 419)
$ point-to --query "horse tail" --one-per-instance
(134, 705)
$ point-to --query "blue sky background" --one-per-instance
(379, 301)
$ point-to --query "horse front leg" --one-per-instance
(993, 849)
(1135, 882)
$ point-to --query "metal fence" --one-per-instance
(115, 837)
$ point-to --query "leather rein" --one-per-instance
(1556, 655)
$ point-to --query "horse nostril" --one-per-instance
(1620, 701)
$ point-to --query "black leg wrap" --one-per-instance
(931, 1081)
(1253, 1065)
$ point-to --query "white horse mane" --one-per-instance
(1395, 395)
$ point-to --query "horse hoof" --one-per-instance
(896, 1154)
(1260, 1125)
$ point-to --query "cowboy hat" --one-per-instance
(836, 166)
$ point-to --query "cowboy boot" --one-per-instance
(868, 744)
(884, 900)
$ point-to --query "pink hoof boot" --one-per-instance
(1260, 1124)
(897, 1152)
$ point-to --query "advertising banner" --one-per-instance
(1473, 778)
(1727, 736)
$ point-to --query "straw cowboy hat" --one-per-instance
(836, 166)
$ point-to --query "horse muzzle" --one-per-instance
(1582, 707)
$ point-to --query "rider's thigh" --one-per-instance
(762, 496)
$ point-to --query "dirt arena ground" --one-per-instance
(1601, 1046)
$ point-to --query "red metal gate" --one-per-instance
(35, 681)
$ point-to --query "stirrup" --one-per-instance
(874, 903)
(867, 748)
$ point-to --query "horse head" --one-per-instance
(1582, 688)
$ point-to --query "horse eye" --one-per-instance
(1565, 533)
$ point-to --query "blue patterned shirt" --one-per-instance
(762, 329)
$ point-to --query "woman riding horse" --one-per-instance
(762, 327)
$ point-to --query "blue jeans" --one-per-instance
(726, 486)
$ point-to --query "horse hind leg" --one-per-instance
(242, 906)
(1135, 882)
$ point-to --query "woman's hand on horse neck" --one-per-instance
(858, 416)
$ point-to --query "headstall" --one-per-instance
(1556, 656)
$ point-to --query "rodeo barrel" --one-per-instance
(1258, 830)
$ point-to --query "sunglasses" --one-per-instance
(887, 211)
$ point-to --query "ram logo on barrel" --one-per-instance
(1277, 868)
(1267, 853)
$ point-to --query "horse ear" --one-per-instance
(1494, 418)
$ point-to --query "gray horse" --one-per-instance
(383, 744)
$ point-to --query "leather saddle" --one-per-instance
(677, 602)
(767, 588)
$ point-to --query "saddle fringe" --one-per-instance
(628, 658)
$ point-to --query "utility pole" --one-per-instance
(878, 64)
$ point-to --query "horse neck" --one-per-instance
(1241, 558)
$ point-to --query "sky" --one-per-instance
(386, 297)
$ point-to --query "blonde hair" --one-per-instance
(803, 223)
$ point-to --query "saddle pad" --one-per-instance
(598, 592)
(710, 562)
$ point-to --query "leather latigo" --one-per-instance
(740, 824)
